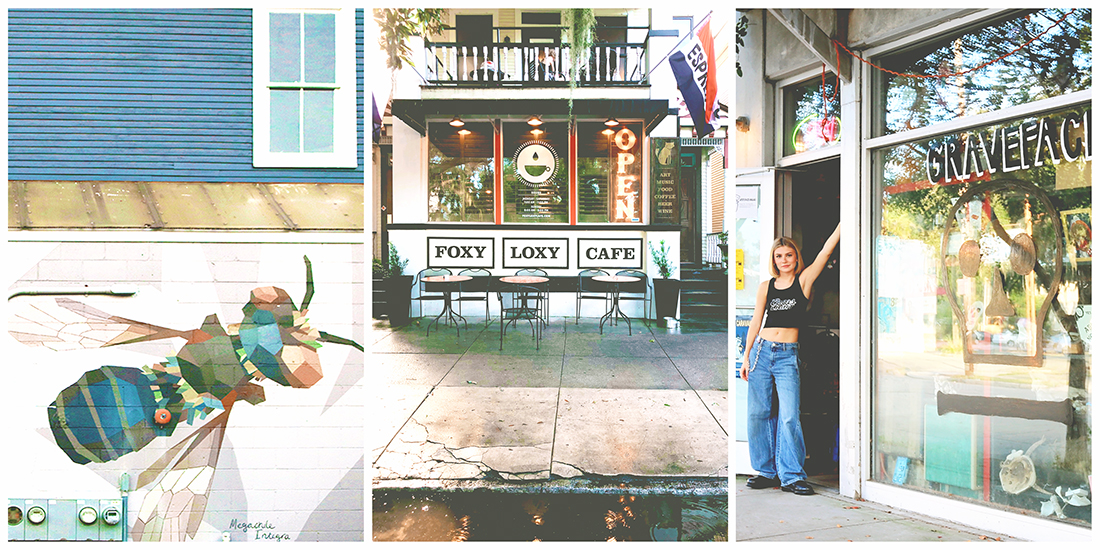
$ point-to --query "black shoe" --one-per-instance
(762, 482)
(799, 487)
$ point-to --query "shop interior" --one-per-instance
(815, 211)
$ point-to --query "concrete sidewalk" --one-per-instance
(765, 515)
(454, 406)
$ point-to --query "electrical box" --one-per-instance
(66, 519)
(111, 526)
(62, 519)
(16, 520)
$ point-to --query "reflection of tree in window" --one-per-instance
(460, 172)
(1058, 62)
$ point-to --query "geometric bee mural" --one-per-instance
(114, 411)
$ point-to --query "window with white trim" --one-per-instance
(303, 108)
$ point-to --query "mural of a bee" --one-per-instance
(113, 410)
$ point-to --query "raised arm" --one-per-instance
(812, 271)
(754, 326)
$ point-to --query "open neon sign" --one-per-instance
(815, 132)
(626, 177)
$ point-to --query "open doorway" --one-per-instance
(815, 211)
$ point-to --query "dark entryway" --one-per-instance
(691, 185)
(815, 211)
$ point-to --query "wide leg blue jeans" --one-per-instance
(776, 445)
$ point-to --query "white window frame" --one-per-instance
(344, 140)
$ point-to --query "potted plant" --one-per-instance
(666, 290)
(396, 285)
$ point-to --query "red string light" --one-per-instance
(825, 99)
(960, 73)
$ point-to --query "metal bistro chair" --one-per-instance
(475, 290)
(423, 296)
(587, 289)
(544, 291)
(518, 302)
(636, 291)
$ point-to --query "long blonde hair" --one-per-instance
(780, 242)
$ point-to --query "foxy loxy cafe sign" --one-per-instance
(1032, 143)
(544, 253)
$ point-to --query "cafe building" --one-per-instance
(489, 158)
(947, 355)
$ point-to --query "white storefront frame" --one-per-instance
(857, 326)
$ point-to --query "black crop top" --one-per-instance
(787, 307)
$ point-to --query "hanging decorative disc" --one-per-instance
(970, 258)
(1022, 256)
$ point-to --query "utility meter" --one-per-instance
(111, 516)
(15, 515)
(36, 515)
(88, 515)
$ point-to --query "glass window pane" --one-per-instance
(286, 47)
(1056, 63)
(318, 121)
(460, 172)
(214, 206)
(811, 117)
(983, 314)
(536, 173)
(285, 120)
(609, 173)
(320, 47)
(321, 206)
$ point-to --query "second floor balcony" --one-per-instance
(503, 62)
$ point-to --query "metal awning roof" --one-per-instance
(415, 112)
(185, 205)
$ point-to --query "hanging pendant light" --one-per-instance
(534, 120)
(457, 122)
(611, 122)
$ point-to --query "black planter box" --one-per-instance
(666, 297)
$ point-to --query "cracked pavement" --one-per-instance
(455, 407)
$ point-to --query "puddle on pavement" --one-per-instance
(488, 516)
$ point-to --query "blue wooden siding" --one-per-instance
(141, 95)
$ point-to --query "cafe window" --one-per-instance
(811, 115)
(983, 308)
(304, 88)
(609, 173)
(460, 172)
(1056, 62)
(536, 172)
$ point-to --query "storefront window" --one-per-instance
(811, 116)
(1057, 62)
(460, 172)
(536, 172)
(609, 173)
(984, 315)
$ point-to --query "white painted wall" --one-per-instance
(280, 459)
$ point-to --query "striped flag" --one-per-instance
(696, 77)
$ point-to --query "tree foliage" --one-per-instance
(397, 25)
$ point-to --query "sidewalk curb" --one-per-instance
(639, 486)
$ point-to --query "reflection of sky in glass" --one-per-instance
(1056, 63)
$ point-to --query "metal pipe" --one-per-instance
(116, 290)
